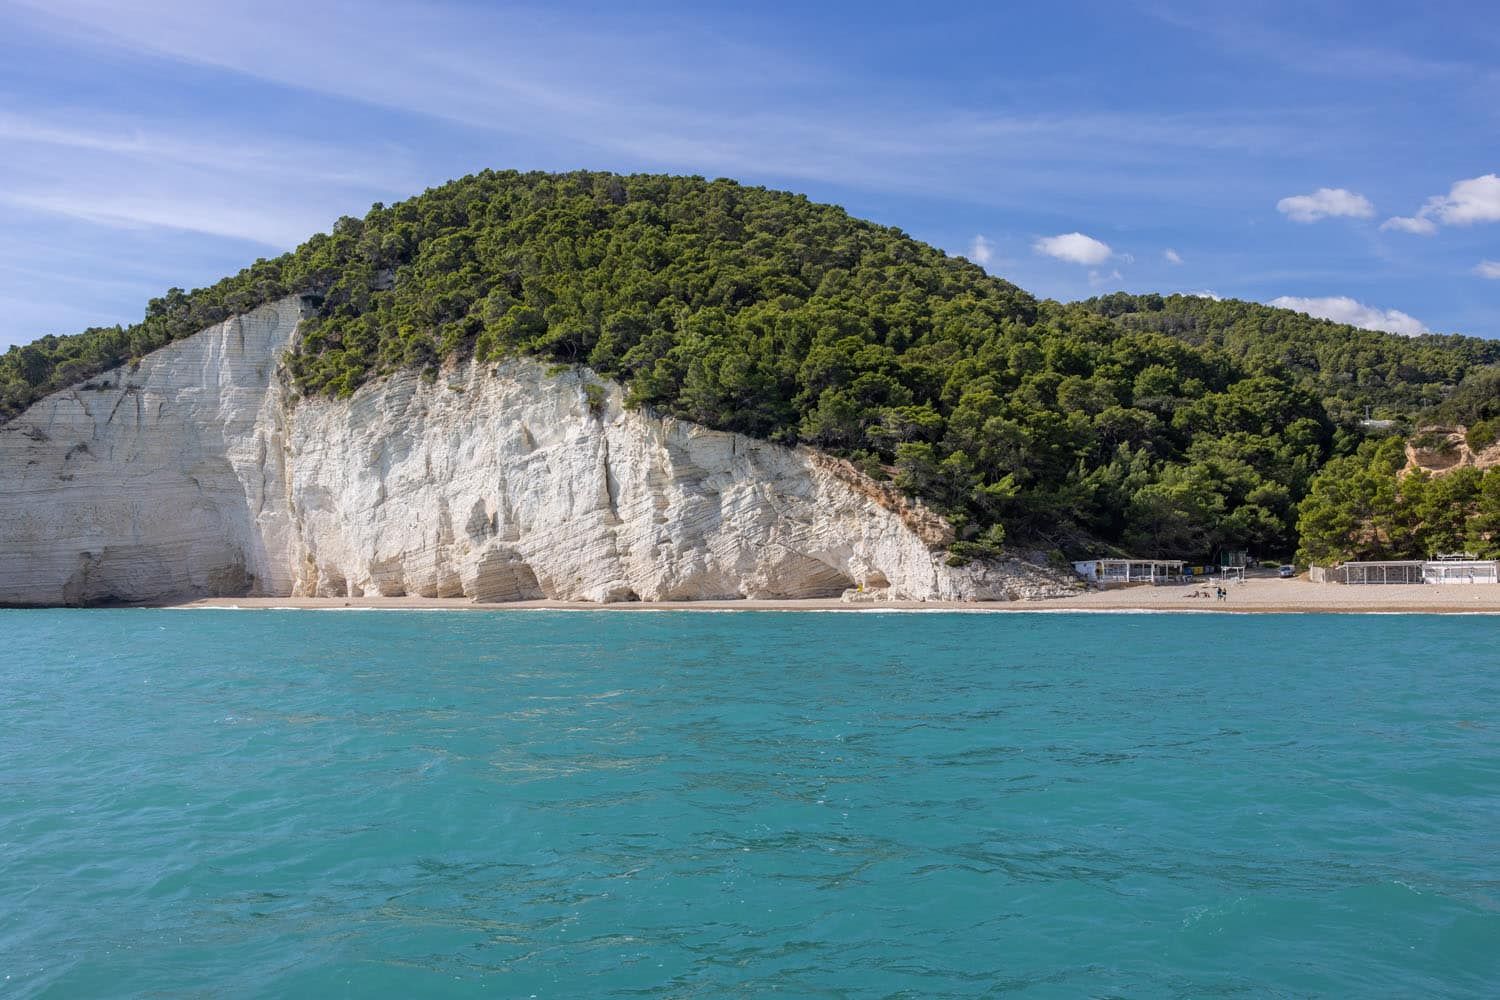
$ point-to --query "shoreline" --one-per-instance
(1254, 596)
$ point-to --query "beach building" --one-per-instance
(1379, 571)
(1119, 572)
(1456, 567)
(1460, 567)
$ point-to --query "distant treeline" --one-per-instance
(1347, 367)
(1159, 426)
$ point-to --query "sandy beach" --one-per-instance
(1255, 595)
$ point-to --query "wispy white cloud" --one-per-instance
(1235, 29)
(1325, 203)
(272, 190)
(656, 97)
(1343, 309)
(981, 251)
(1171, 256)
(1410, 224)
(140, 140)
(1097, 278)
(1488, 269)
(1075, 248)
(221, 216)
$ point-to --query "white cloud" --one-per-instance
(1488, 269)
(1342, 309)
(981, 251)
(1075, 248)
(1172, 256)
(1325, 203)
(1410, 224)
(1467, 202)
(1100, 277)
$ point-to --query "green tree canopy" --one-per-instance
(1172, 426)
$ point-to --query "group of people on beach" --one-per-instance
(1219, 593)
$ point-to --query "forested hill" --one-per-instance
(1349, 368)
(1067, 427)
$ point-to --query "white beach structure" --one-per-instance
(1119, 572)
(1443, 569)
(1460, 567)
(1380, 571)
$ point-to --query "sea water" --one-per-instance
(519, 804)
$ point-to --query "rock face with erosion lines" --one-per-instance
(198, 472)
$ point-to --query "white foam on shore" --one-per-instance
(613, 609)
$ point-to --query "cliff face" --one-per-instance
(197, 474)
(1447, 449)
(156, 481)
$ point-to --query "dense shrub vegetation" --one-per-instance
(1176, 425)
(1348, 368)
(1359, 508)
(1475, 401)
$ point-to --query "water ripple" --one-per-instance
(268, 803)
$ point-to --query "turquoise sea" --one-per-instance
(553, 804)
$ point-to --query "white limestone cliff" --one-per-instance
(198, 473)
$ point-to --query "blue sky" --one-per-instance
(1074, 148)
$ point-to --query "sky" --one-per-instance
(1337, 158)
